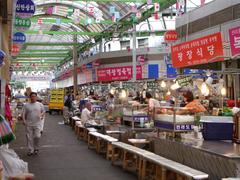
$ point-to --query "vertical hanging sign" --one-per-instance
(25, 8)
(234, 36)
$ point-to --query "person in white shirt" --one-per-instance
(86, 116)
(152, 103)
(33, 115)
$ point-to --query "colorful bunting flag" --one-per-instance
(50, 10)
(202, 2)
(58, 21)
(149, 2)
(139, 15)
(117, 15)
(134, 8)
(156, 7)
(91, 11)
(40, 21)
(112, 9)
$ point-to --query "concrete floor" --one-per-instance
(63, 157)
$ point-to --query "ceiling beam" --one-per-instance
(42, 55)
(38, 58)
(65, 32)
(27, 61)
(45, 50)
(51, 44)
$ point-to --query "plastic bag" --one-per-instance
(6, 134)
(12, 164)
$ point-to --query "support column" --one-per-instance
(75, 59)
(134, 56)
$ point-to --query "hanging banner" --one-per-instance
(22, 24)
(25, 8)
(234, 36)
(117, 73)
(140, 60)
(19, 38)
(198, 51)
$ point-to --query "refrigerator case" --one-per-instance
(217, 127)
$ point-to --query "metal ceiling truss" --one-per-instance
(122, 25)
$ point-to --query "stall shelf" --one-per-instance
(167, 119)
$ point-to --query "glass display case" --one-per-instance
(135, 115)
(174, 119)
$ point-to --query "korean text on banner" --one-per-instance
(117, 73)
(234, 35)
(198, 51)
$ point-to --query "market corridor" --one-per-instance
(63, 157)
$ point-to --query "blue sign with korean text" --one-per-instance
(89, 66)
(184, 127)
(171, 71)
(25, 8)
(19, 37)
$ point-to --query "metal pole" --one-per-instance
(75, 59)
(134, 56)
(185, 6)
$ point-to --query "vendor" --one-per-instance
(152, 103)
(110, 101)
(86, 116)
(191, 104)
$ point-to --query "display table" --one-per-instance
(138, 142)
(219, 159)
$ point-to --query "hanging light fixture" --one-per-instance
(208, 73)
(169, 93)
(112, 90)
(163, 84)
(123, 94)
(223, 91)
(175, 86)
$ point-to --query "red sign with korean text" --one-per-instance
(198, 51)
(117, 73)
(170, 36)
(234, 36)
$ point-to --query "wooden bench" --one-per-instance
(79, 129)
(86, 131)
(73, 121)
(93, 139)
(100, 141)
(108, 140)
(162, 166)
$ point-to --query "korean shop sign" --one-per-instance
(198, 51)
(152, 85)
(234, 36)
(19, 38)
(22, 24)
(25, 8)
(184, 81)
(117, 73)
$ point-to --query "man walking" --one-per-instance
(33, 115)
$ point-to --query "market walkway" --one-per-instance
(63, 157)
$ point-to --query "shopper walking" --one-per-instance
(33, 115)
